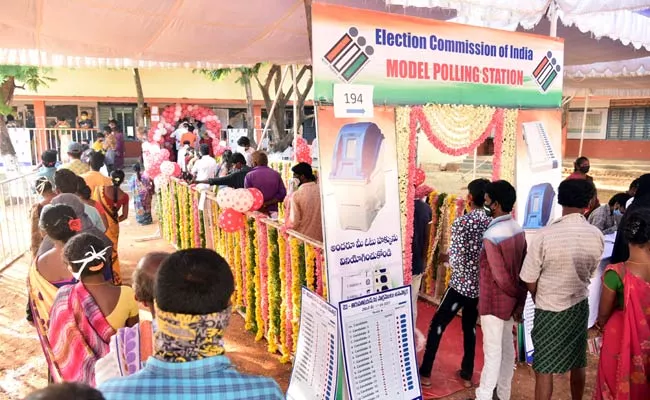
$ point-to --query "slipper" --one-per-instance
(466, 383)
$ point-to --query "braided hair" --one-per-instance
(117, 177)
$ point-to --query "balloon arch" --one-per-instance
(175, 112)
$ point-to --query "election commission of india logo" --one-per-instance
(546, 71)
(349, 55)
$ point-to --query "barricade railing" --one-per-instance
(32, 142)
(269, 262)
(17, 196)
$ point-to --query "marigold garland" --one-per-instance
(406, 144)
(252, 282)
(285, 281)
(261, 251)
(290, 275)
(236, 266)
(310, 264)
(259, 280)
(321, 275)
(473, 124)
(429, 266)
(297, 281)
(509, 147)
(197, 220)
(274, 289)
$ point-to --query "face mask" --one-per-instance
(584, 169)
(488, 210)
(617, 213)
(295, 182)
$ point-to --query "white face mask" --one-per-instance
(294, 183)
(91, 255)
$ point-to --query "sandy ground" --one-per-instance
(22, 367)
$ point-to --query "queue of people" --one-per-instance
(493, 267)
(74, 284)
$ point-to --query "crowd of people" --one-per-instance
(489, 254)
(91, 334)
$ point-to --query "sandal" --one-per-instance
(467, 383)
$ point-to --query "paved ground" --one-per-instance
(22, 367)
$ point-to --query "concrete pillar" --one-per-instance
(40, 122)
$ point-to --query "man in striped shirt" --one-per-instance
(502, 294)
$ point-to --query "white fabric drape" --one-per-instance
(603, 18)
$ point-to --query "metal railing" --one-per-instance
(17, 196)
(30, 143)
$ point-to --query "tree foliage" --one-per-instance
(14, 77)
(244, 77)
(271, 90)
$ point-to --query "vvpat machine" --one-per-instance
(357, 175)
(539, 206)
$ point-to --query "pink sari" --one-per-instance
(79, 334)
(624, 367)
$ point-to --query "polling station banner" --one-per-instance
(412, 60)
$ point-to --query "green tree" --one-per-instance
(14, 77)
(271, 89)
(245, 76)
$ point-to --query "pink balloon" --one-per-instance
(231, 221)
(165, 154)
(258, 199)
(177, 170)
(420, 176)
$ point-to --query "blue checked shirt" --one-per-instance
(212, 378)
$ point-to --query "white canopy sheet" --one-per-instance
(603, 18)
(211, 33)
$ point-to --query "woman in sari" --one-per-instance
(48, 272)
(87, 314)
(45, 190)
(141, 188)
(116, 206)
(624, 317)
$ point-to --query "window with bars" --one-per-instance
(630, 123)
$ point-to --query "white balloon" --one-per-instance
(157, 137)
(242, 200)
(167, 168)
(224, 198)
(161, 125)
(161, 180)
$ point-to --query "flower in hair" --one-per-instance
(75, 225)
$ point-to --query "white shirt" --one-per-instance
(181, 157)
(205, 168)
(248, 155)
(177, 134)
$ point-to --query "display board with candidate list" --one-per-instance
(316, 361)
(379, 346)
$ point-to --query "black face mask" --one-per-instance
(488, 209)
(584, 169)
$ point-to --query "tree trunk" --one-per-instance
(139, 111)
(250, 116)
(6, 95)
(7, 151)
